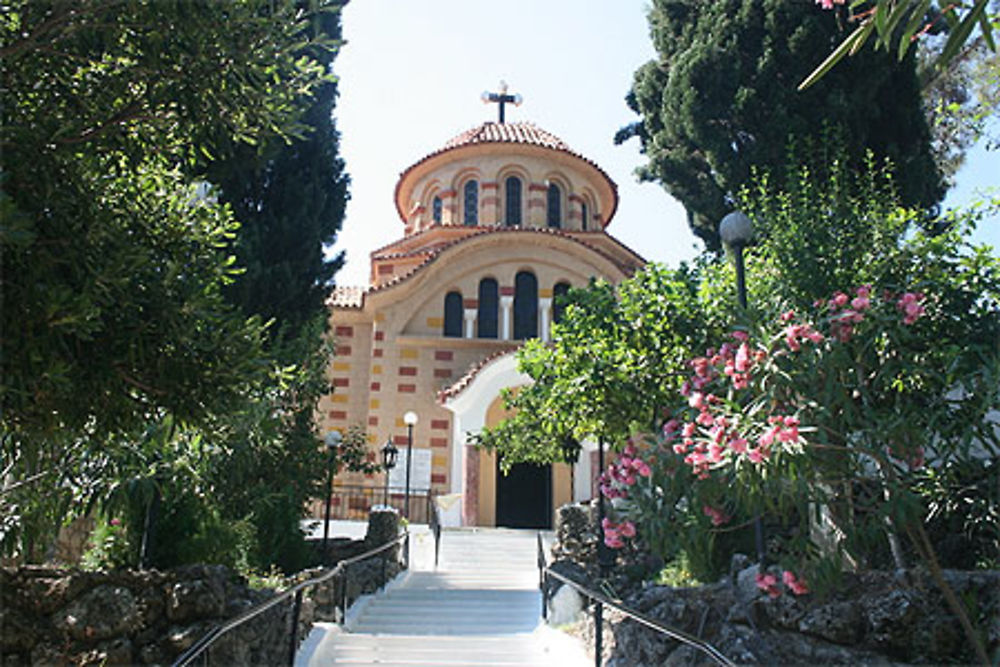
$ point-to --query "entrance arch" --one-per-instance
(487, 498)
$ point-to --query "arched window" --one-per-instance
(525, 305)
(558, 294)
(584, 215)
(554, 209)
(488, 306)
(471, 201)
(453, 314)
(512, 211)
(436, 208)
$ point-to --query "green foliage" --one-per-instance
(612, 366)
(129, 383)
(720, 100)
(108, 548)
(894, 25)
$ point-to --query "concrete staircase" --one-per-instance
(480, 607)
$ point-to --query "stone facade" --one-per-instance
(400, 348)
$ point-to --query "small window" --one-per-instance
(554, 210)
(453, 314)
(558, 298)
(584, 215)
(488, 309)
(436, 208)
(472, 203)
(525, 305)
(512, 212)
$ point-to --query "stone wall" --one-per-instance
(60, 616)
(872, 618)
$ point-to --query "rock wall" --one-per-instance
(60, 616)
(874, 618)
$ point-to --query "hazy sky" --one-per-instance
(412, 72)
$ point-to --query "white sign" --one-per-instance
(420, 474)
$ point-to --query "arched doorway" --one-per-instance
(524, 496)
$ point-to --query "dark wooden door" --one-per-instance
(524, 496)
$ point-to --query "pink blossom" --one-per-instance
(738, 445)
(670, 428)
(715, 452)
(756, 455)
(769, 584)
(685, 388)
(614, 541)
(704, 418)
(742, 361)
(606, 523)
(910, 304)
(864, 291)
(741, 336)
(839, 300)
(767, 437)
(828, 4)
(627, 529)
(741, 381)
(697, 400)
(642, 468)
(860, 303)
(688, 429)
(116, 522)
(788, 316)
(796, 586)
(717, 516)
(680, 448)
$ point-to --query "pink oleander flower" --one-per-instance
(116, 522)
(689, 429)
(769, 584)
(828, 4)
(627, 529)
(860, 303)
(642, 468)
(685, 388)
(741, 336)
(697, 400)
(788, 316)
(756, 455)
(680, 448)
(839, 300)
(738, 445)
(704, 418)
(911, 306)
(613, 541)
(742, 361)
(670, 429)
(864, 291)
(717, 516)
(741, 381)
(796, 586)
(715, 452)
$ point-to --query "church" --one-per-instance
(497, 223)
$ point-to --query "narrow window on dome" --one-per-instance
(554, 214)
(525, 305)
(584, 214)
(558, 297)
(486, 318)
(512, 212)
(472, 202)
(436, 209)
(453, 314)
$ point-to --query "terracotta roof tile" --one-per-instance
(515, 133)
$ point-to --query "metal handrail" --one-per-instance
(218, 631)
(674, 633)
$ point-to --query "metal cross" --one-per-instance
(501, 98)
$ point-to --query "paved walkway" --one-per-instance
(481, 606)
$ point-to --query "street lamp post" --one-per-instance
(736, 231)
(389, 456)
(410, 419)
(332, 440)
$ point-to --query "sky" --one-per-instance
(412, 73)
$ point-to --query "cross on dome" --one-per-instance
(501, 98)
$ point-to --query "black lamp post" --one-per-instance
(333, 440)
(736, 231)
(389, 456)
(410, 419)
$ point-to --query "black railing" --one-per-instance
(352, 502)
(200, 648)
(601, 600)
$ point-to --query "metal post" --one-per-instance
(409, 465)
(294, 639)
(329, 497)
(602, 561)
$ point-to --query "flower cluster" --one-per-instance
(911, 305)
(615, 534)
(828, 4)
(623, 473)
(846, 312)
(769, 584)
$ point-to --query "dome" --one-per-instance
(489, 151)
